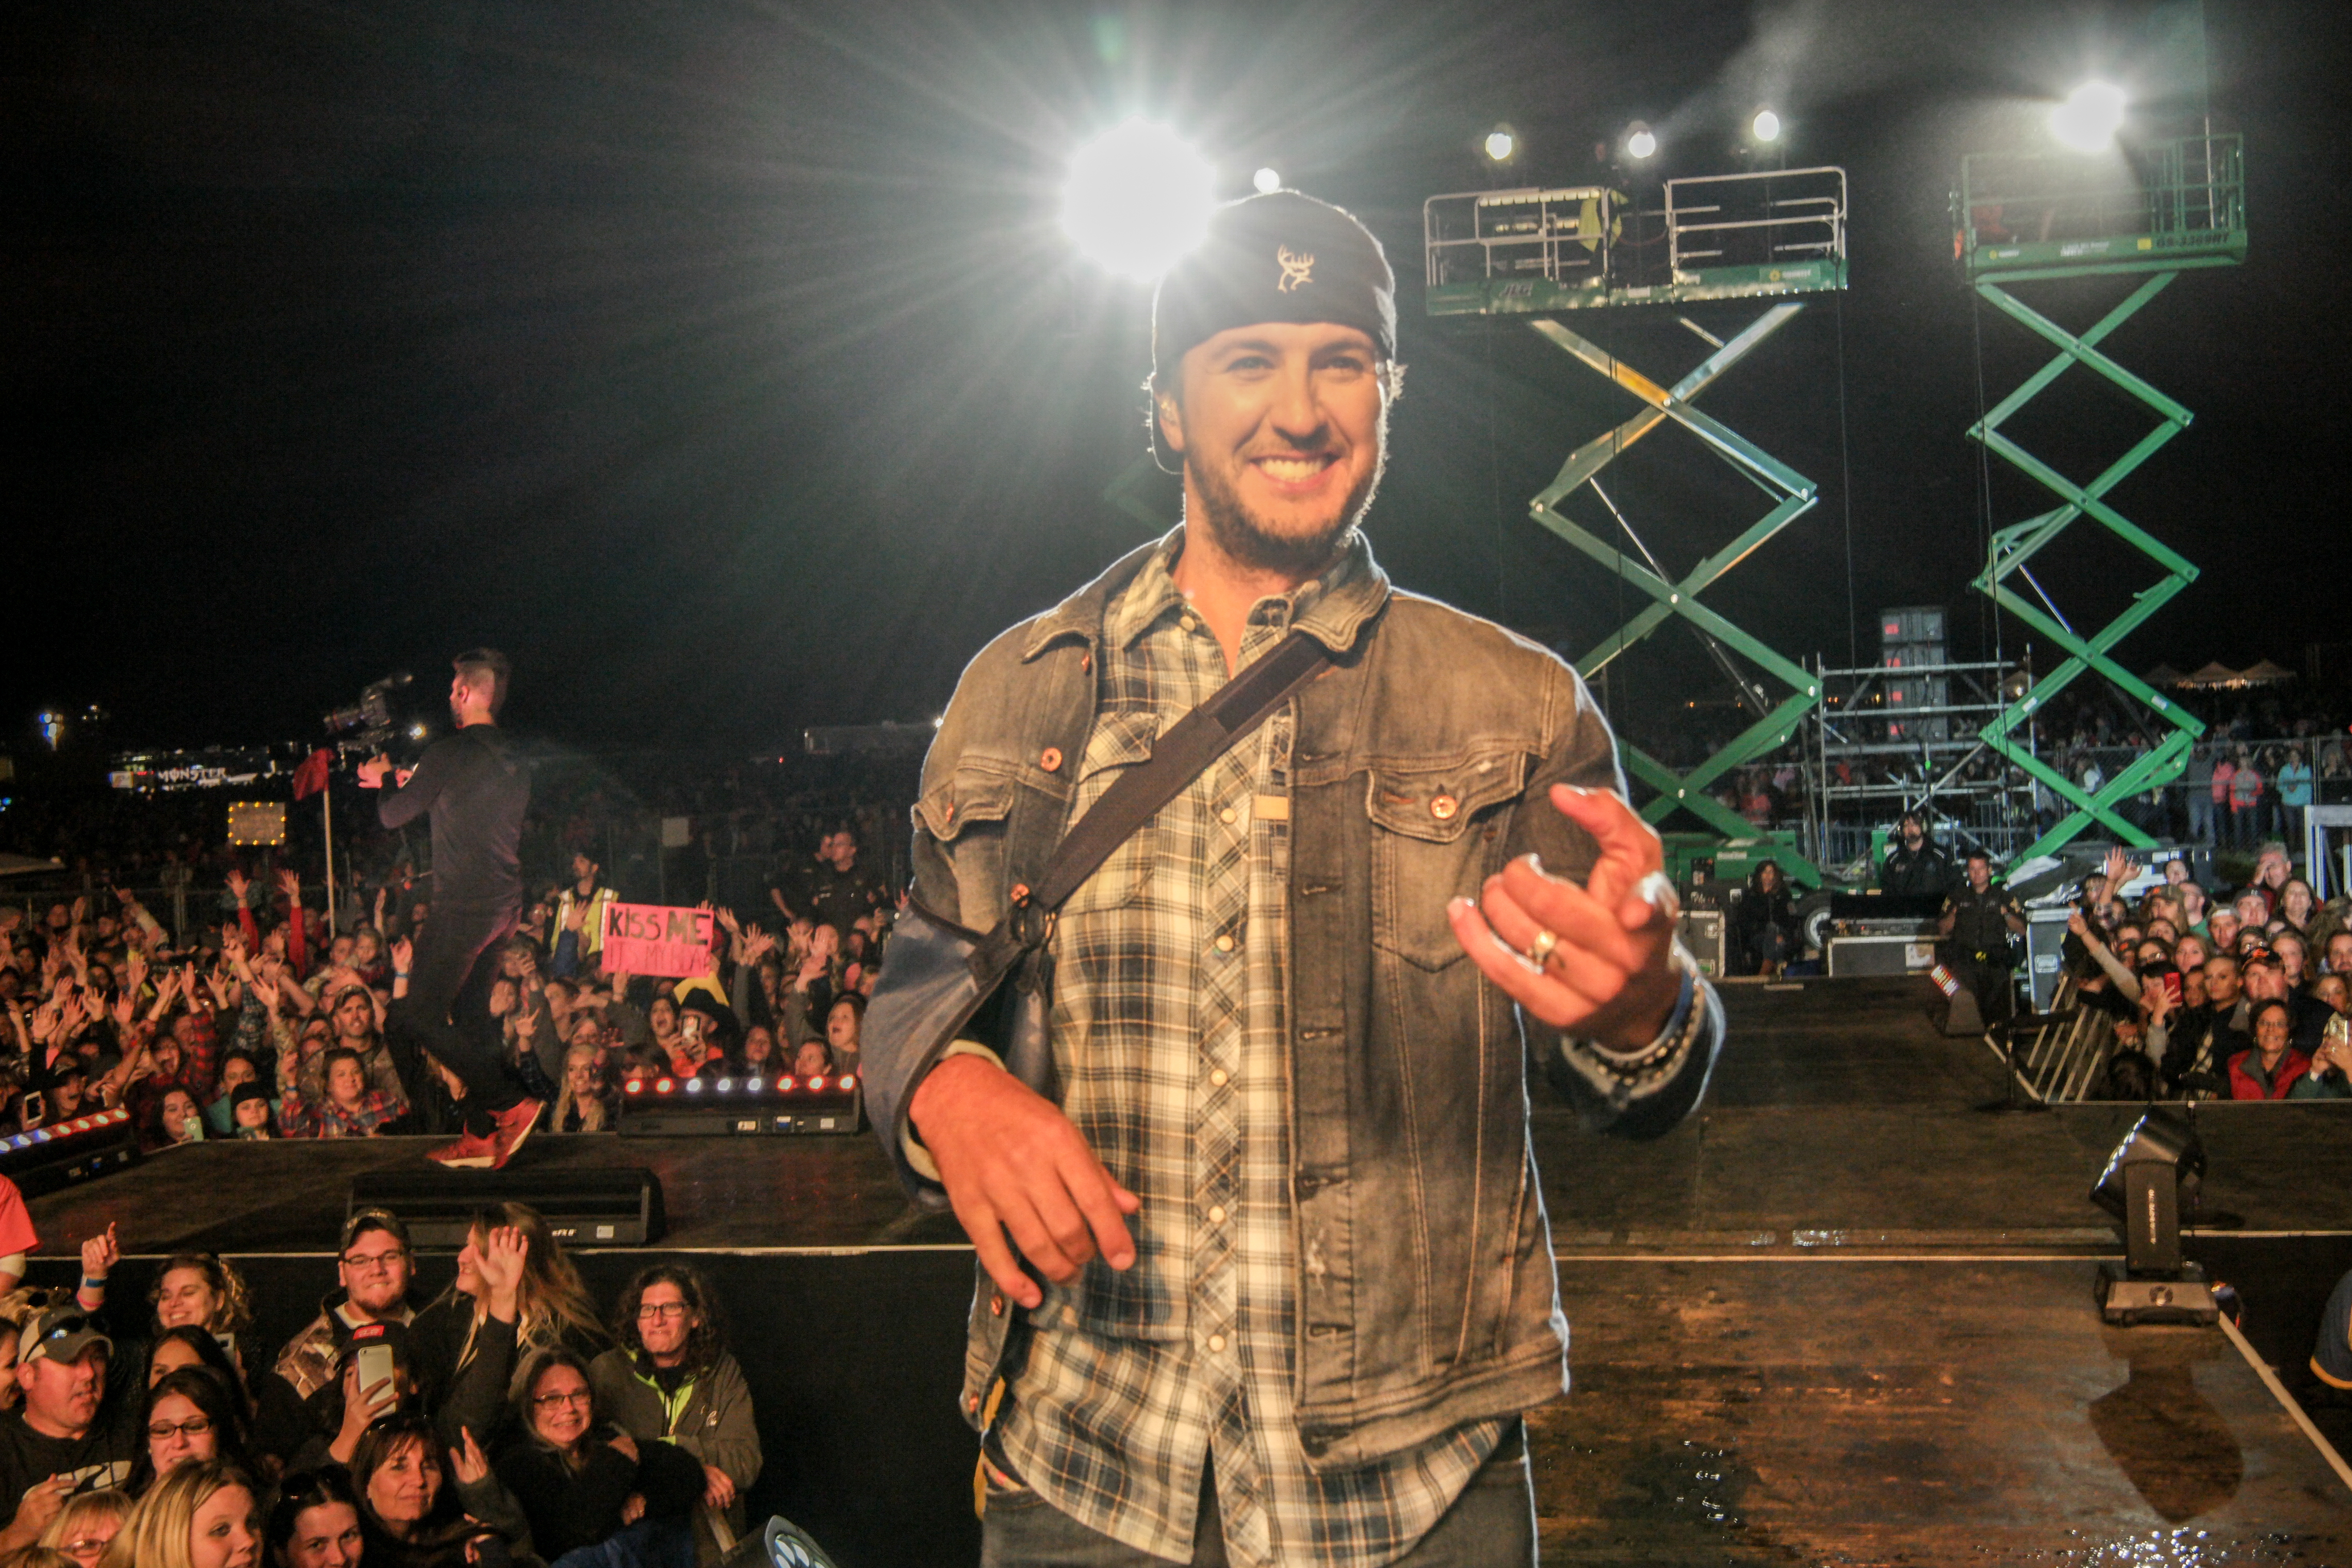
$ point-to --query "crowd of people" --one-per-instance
(505, 1422)
(270, 1025)
(2242, 997)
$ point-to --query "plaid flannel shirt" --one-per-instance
(300, 1118)
(1170, 1036)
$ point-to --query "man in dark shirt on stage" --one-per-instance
(1980, 919)
(71, 1434)
(1916, 866)
(477, 786)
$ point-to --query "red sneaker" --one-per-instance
(467, 1153)
(514, 1125)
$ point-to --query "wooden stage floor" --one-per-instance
(1841, 1317)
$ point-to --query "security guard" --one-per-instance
(1980, 919)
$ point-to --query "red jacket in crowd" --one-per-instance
(2246, 1074)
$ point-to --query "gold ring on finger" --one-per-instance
(1539, 950)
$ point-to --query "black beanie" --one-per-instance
(1280, 257)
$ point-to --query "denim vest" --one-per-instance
(1421, 764)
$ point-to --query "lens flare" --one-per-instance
(1138, 199)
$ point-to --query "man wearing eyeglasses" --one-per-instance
(66, 1437)
(373, 1271)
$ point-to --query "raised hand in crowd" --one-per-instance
(289, 882)
(99, 1254)
(505, 1251)
(237, 885)
(467, 1462)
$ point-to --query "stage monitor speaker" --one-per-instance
(662, 1106)
(43, 1159)
(583, 1207)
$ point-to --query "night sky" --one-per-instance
(724, 362)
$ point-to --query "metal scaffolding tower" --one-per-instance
(1740, 237)
(2025, 218)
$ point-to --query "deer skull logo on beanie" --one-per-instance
(1296, 268)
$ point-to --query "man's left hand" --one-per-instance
(1606, 977)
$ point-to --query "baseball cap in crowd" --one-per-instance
(2260, 955)
(60, 1335)
(363, 1221)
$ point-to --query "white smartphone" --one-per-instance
(375, 1367)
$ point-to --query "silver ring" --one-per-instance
(1539, 950)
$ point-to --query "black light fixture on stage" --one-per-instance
(2155, 1175)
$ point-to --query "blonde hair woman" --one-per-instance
(580, 1103)
(198, 1516)
(86, 1525)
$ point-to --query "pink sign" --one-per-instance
(656, 939)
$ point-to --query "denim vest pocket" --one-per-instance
(1434, 839)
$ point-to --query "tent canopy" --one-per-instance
(2266, 674)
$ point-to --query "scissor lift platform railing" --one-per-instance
(1536, 249)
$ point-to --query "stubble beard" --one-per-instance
(1251, 541)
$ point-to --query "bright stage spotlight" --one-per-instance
(1138, 199)
(1641, 141)
(1266, 180)
(2087, 122)
(1500, 143)
(1766, 126)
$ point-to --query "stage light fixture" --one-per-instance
(1138, 199)
(1267, 182)
(1766, 126)
(2154, 1178)
(1641, 141)
(1501, 142)
(2087, 122)
(751, 1085)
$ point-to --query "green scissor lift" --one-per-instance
(2030, 220)
(1775, 236)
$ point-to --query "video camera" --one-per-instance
(382, 723)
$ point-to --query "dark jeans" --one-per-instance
(1491, 1525)
(446, 1010)
(648, 1543)
(1989, 984)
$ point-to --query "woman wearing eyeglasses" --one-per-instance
(672, 1379)
(84, 1526)
(595, 1497)
(189, 1418)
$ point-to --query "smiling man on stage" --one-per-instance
(1265, 1273)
